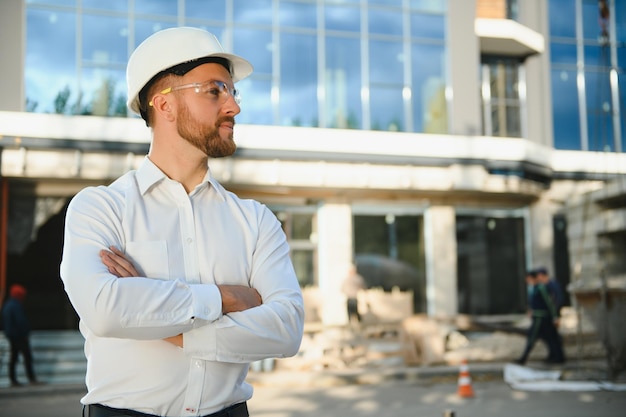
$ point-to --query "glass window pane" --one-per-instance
(387, 111)
(428, 90)
(105, 39)
(439, 6)
(562, 15)
(298, 84)
(513, 126)
(252, 11)
(256, 101)
(621, 57)
(103, 92)
(145, 28)
(202, 9)
(117, 5)
(620, 21)
(395, 3)
(389, 252)
(386, 22)
(596, 56)
(53, 2)
(50, 67)
(300, 15)
(303, 265)
(301, 226)
(168, 8)
(565, 113)
(343, 83)
(386, 62)
(591, 20)
(599, 109)
(342, 18)
(428, 26)
(256, 46)
(563, 53)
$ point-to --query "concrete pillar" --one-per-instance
(542, 234)
(465, 113)
(335, 250)
(441, 261)
(12, 47)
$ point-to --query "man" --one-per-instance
(178, 283)
(556, 354)
(544, 321)
(17, 330)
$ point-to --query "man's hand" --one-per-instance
(121, 267)
(117, 263)
(238, 298)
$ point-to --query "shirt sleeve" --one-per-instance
(133, 308)
(274, 329)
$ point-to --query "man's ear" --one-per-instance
(163, 106)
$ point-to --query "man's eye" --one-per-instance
(214, 91)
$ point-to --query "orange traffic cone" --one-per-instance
(465, 381)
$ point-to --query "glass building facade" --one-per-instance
(376, 65)
(433, 144)
(588, 77)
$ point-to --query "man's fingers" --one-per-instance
(117, 264)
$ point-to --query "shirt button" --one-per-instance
(189, 240)
(198, 364)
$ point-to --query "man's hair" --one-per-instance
(178, 70)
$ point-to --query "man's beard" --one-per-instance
(204, 137)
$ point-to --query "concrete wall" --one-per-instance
(12, 47)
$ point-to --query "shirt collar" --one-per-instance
(148, 174)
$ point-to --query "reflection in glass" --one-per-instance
(303, 265)
(256, 46)
(256, 105)
(50, 67)
(561, 53)
(392, 253)
(298, 84)
(562, 15)
(103, 92)
(343, 83)
(437, 6)
(599, 111)
(501, 101)
(386, 62)
(386, 108)
(167, 8)
(591, 19)
(202, 9)
(252, 11)
(102, 50)
(430, 113)
(385, 22)
(340, 17)
(145, 28)
(565, 114)
(299, 15)
(117, 5)
(428, 26)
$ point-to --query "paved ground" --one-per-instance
(404, 398)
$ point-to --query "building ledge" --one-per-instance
(507, 37)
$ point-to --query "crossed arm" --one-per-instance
(234, 297)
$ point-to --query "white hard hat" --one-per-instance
(170, 47)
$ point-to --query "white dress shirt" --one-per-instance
(184, 244)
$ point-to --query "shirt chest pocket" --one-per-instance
(149, 258)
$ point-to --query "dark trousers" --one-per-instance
(353, 309)
(21, 346)
(543, 328)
